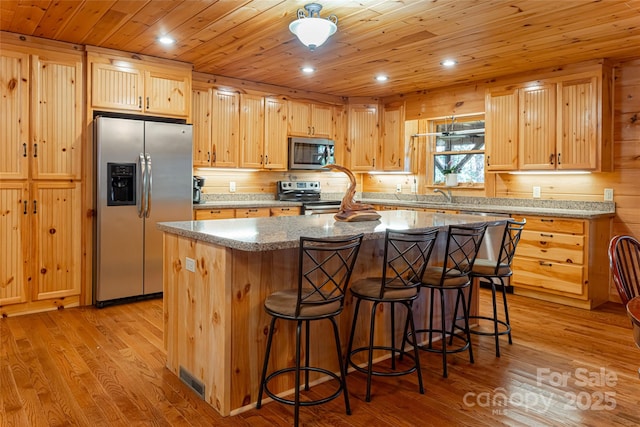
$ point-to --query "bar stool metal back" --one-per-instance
(324, 271)
(406, 254)
(453, 275)
(491, 271)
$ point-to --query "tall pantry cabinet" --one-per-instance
(41, 89)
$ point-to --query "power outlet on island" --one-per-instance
(190, 264)
(608, 194)
(232, 187)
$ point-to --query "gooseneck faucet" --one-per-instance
(446, 195)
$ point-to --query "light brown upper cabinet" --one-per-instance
(131, 84)
(393, 138)
(275, 133)
(263, 132)
(364, 137)
(44, 141)
(216, 127)
(225, 128)
(311, 120)
(556, 123)
(14, 111)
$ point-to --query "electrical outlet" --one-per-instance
(536, 192)
(398, 188)
(190, 264)
(608, 194)
(232, 187)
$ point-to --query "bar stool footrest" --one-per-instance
(446, 335)
(365, 369)
(292, 402)
(505, 331)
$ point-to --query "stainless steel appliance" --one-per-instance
(310, 153)
(198, 183)
(143, 176)
(308, 193)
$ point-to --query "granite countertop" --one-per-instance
(272, 233)
(555, 208)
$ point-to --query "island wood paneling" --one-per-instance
(216, 327)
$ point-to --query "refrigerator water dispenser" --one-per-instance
(122, 184)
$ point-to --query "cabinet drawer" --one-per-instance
(200, 214)
(567, 278)
(551, 246)
(285, 211)
(252, 212)
(556, 225)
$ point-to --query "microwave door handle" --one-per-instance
(141, 185)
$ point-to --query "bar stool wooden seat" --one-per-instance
(452, 275)
(324, 271)
(494, 273)
(406, 255)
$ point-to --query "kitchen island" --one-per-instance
(217, 274)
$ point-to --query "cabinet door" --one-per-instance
(201, 118)
(116, 87)
(56, 229)
(275, 133)
(14, 114)
(501, 127)
(299, 119)
(537, 139)
(252, 131)
(56, 120)
(14, 243)
(363, 137)
(167, 94)
(393, 149)
(577, 124)
(225, 132)
(321, 121)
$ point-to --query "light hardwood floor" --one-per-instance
(91, 367)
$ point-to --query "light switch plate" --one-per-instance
(190, 264)
(536, 192)
(232, 187)
(608, 194)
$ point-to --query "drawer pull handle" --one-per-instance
(24, 149)
(546, 235)
(25, 207)
(545, 264)
(545, 220)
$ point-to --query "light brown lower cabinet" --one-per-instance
(563, 260)
(225, 213)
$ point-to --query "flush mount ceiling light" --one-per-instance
(382, 78)
(448, 63)
(312, 30)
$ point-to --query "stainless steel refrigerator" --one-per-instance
(144, 176)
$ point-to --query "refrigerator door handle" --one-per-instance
(147, 209)
(142, 183)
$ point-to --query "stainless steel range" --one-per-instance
(308, 193)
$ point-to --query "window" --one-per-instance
(458, 144)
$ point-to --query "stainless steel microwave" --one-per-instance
(310, 153)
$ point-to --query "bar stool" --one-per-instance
(406, 255)
(453, 275)
(324, 270)
(492, 271)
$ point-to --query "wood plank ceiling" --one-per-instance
(406, 40)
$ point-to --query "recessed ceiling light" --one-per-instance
(382, 78)
(166, 40)
(448, 63)
(308, 70)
